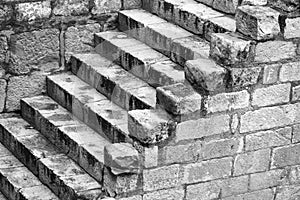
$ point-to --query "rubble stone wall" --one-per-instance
(37, 36)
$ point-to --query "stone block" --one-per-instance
(149, 126)
(150, 156)
(71, 8)
(286, 5)
(270, 74)
(227, 6)
(266, 194)
(296, 93)
(33, 11)
(169, 194)
(285, 156)
(3, 85)
(275, 94)
(227, 101)
(294, 174)
(288, 192)
(266, 139)
(121, 158)
(296, 133)
(271, 117)
(268, 179)
(195, 129)
(292, 27)
(32, 49)
(219, 25)
(255, 2)
(252, 162)
(242, 77)
(162, 177)
(229, 48)
(290, 72)
(6, 13)
(204, 74)
(218, 188)
(106, 6)
(272, 51)
(207, 170)
(132, 4)
(136, 197)
(258, 22)
(3, 49)
(179, 99)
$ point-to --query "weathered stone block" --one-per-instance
(268, 179)
(219, 25)
(260, 23)
(6, 13)
(271, 74)
(271, 117)
(290, 72)
(207, 170)
(288, 192)
(285, 156)
(121, 158)
(169, 194)
(148, 126)
(292, 27)
(227, 101)
(251, 162)
(3, 49)
(227, 6)
(3, 85)
(294, 174)
(162, 178)
(229, 48)
(255, 2)
(150, 156)
(275, 94)
(286, 5)
(205, 75)
(242, 77)
(296, 133)
(219, 188)
(266, 194)
(268, 139)
(179, 99)
(131, 4)
(33, 11)
(34, 48)
(106, 6)
(296, 93)
(272, 51)
(72, 7)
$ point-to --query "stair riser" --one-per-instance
(62, 140)
(122, 97)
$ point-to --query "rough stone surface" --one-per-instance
(3, 49)
(270, 75)
(252, 162)
(34, 48)
(207, 170)
(195, 129)
(130, 4)
(162, 178)
(286, 5)
(219, 188)
(266, 194)
(170, 194)
(227, 101)
(242, 77)
(266, 118)
(6, 12)
(179, 99)
(268, 139)
(272, 51)
(276, 94)
(296, 133)
(151, 156)
(296, 93)
(292, 28)
(3, 85)
(33, 11)
(288, 192)
(290, 72)
(285, 156)
(72, 7)
(255, 2)
(205, 74)
(219, 25)
(229, 48)
(105, 6)
(260, 23)
(227, 6)
(121, 158)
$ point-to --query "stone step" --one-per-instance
(56, 170)
(167, 38)
(138, 58)
(193, 16)
(74, 138)
(88, 105)
(117, 84)
(17, 182)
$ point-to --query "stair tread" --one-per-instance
(23, 181)
(73, 137)
(92, 109)
(112, 80)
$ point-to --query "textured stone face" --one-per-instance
(219, 25)
(292, 28)
(290, 72)
(165, 194)
(284, 156)
(286, 5)
(5, 13)
(33, 11)
(271, 74)
(296, 93)
(3, 48)
(205, 74)
(105, 6)
(241, 77)
(227, 6)
(3, 85)
(260, 23)
(72, 7)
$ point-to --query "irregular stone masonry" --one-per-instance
(189, 99)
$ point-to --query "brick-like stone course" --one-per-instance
(290, 72)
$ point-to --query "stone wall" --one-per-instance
(36, 38)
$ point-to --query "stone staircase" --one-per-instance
(168, 76)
